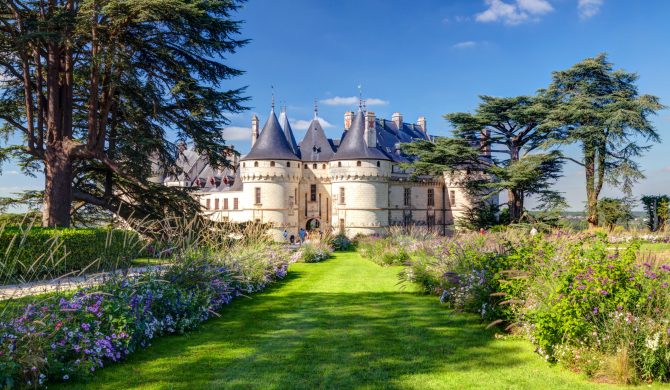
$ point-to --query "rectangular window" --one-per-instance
(258, 195)
(236, 204)
(341, 195)
(431, 197)
(452, 198)
(208, 204)
(430, 221)
(225, 204)
(312, 193)
(305, 205)
(216, 204)
(291, 202)
(342, 225)
(319, 205)
(407, 219)
(407, 197)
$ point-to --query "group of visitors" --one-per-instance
(303, 236)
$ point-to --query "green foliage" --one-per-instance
(36, 253)
(658, 211)
(614, 211)
(483, 215)
(382, 251)
(600, 109)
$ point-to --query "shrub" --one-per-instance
(314, 252)
(600, 308)
(33, 253)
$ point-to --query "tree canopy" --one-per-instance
(600, 109)
(101, 91)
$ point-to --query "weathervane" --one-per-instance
(316, 108)
(360, 97)
(272, 87)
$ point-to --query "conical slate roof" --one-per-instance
(315, 145)
(353, 145)
(271, 143)
(288, 133)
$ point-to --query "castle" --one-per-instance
(354, 185)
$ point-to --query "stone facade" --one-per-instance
(354, 185)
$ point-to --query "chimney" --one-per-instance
(422, 123)
(254, 129)
(370, 131)
(484, 142)
(397, 119)
(348, 118)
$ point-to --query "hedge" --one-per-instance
(41, 253)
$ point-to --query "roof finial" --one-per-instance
(273, 97)
(360, 97)
(316, 108)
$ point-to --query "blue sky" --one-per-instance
(430, 57)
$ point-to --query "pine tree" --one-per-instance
(101, 90)
(600, 109)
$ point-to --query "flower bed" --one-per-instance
(63, 338)
(601, 311)
(314, 252)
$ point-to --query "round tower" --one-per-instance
(359, 175)
(270, 174)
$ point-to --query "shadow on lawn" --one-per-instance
(315, 340)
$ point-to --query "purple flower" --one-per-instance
(596, 310)
(86, 327)
(603, 292)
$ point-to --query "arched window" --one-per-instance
(379, 164)
(323, 166)
(305, 166)
(256, 164)
(272, 163)
(358, 163)
(313, 166)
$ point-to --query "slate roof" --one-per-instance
(271, 143)
(353, 145)
(315, 146)
(288, 133)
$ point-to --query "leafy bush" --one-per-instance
(33, 253)
(595, 307)
(339, 242)
(63, 338)
(314, 252)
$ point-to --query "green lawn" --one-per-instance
(344, 323)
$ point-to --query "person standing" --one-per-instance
(285, 235)
(302, 233)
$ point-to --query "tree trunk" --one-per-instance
(58, 187)
(515, 205)
(591, 194)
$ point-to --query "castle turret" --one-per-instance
(270, 173)
(359, 174)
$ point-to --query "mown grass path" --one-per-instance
(344, 323)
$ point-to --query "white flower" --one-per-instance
(653, 342)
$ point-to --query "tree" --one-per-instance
(658, 211)
(613, 211)
(101, 90)
(600, 109)
(502, 139)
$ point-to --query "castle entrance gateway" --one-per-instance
(313, 224)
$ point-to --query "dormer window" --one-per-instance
(272, 163)
(379, 164)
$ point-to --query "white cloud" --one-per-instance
(352, 101)
(588, 8)
(302, 125)
(465, 45)
(513, 13)
(236, 133)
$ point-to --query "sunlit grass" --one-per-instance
(344, 323)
